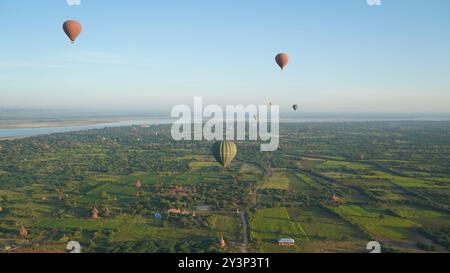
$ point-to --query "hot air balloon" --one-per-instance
(282, 60)
(72, 29)
(295, 106)
(224, 152)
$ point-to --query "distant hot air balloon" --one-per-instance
(282, 60)
(295, 106)
(72, 29)
(224, 152)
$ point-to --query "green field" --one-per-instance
(277, 181)
(269, 225)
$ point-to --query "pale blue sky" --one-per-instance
(140, 54)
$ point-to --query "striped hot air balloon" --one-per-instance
(224, 152)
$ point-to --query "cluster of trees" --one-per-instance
(440, 236)
(154, 246)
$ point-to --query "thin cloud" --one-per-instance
(27, 64)
(95, 58)
(61, 60)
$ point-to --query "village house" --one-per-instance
(94, 213)
(286, 242)
(222, 243)
(336, 199)
(174, 211)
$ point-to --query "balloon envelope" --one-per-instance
(224, 152)
(282, 60)
(72, 29)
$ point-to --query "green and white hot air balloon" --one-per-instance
(224, 152)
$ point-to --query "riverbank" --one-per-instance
(19, 130)
(57, 123)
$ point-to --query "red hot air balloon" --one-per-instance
(72, 29)
(282, 60)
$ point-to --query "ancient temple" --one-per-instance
(94, 213)
(222, 243)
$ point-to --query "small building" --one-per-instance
(94, 213)
(335, 198)
(9, 249)
(174, 211)
(178, 191)
(23, 232)
(138, 184)
(286, 242)
(203, 208)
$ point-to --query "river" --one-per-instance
(28, 132)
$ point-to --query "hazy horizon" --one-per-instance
(286, 113)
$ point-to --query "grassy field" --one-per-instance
(327, 231)
(377, 224)
(279, 181)
(269, 225)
